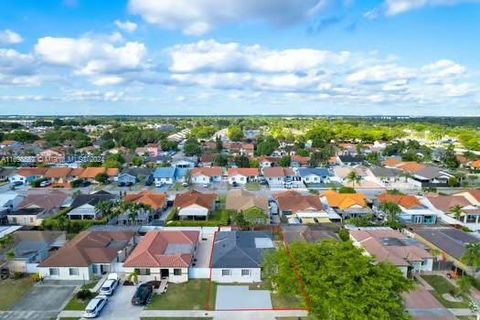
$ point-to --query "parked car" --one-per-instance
(45, 183)
(17, 183)
(109, 286)
(205, 185)
(95, 306)
(143, 295)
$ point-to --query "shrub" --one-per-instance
(17, 275)
(343, 234)
(36, 277)
(346, 190)
(84, 294)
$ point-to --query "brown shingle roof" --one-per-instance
(172, 249)
(240, 200)
(47, 201)
(156, 201)
(445, 203)
(206, 200)
(275, 172)
(29, 172)
(295, 202)
(58, 172)
(89, 247)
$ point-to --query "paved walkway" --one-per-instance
(224, 315)
(461, 312)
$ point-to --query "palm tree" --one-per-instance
(6, 241)
(392, 210)
(457, 211)
(471, 257)
(104, 208)
(353, 177)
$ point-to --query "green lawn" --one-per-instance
(191, 295)
(287, 301)
(253, 186)
(77, 304)
(183, 318)
(11, 291)
(441, 286)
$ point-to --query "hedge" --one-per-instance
(219, 218)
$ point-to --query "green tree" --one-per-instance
(266, 146)
(242, 161)
(354, 178)
(471, 257)
(285, 161)
(392, 211)
(102, 178)
(192, 148)
(235, 133)
(218, 144)
(137, 161)
(220, 160)
(456, 211)
(255, 216)
(340, 281)
(114, 161)
(449, 158)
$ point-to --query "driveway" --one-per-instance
(119, 306)
(241, 298)
(44, 301)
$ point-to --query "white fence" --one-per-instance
(31, 267)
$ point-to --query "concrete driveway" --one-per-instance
(241, 298)
(119, 305)
(44, 301)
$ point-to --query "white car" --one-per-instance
(109, 286)
(95, 306)
(45, 183)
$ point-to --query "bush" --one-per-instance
(36, 183)
(36, 277)
(17, 275)
(346, 190)
(85, 294)
(76, 183)
(343, 234)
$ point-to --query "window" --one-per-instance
(245, 272)
(54, 271)
(73, 271)
(143, 272)
(94, 268)
(225, 272)
(177, 272)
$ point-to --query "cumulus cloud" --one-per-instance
(211, 55)
(395, 7)
(442, 70)
(126, 26)
(8, 37)
(381, 73)
(199, 17)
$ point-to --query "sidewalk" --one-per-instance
(224, 315)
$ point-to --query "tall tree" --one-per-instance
(456, 211)
(471, 257)
(354, 178)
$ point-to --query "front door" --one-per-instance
(164, 273)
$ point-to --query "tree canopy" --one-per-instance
(340, 281)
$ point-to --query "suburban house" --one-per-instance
(90, 173)
(450, 242)
(267, 162)
(444, 206)
(240, 200)
(350, 160)
(309, 233)
(299, 161)
(391, 178)
(237, 256)
(157, 202)
(242, 175)
(314, 176)
(32, 247)
(164, 255)
(347, 205)
(388, 245)
(194, 205)
(52, 155)
(83, 206)
(184, 162)
(423, 176)
(6, 173)
(9, 201)
(164, 175)
(38, 206)
(473, 196)
(125, 179)
(413, 211)
(238, 148)
(207, 175)
(28, 175)
(278, 176)
(90, 254)
(301, 208)
(59, 175)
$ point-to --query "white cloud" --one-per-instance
(200, 16)
(210, 55)
(380, 73)
(126, 26)
(395, 7)
(108, 81)
(91, 57)
(442, 70)
(458, 90)
(8, 37)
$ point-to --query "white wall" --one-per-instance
(84, 273)
(236, 275)
(155, 274)
(238, 179)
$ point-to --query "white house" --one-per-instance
(242, 175)
(194, 205)
(164, 255)
(90, 254)
(238, 255)
(207, 175)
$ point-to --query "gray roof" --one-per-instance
(92, 199)
(240, 249)
(449, 240)
(321, 172)
(139, 172)
(429, 172)
(309, 233)
(385, 172)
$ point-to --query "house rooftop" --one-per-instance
(206, 200)
(155, 201)
(295, 202)
(309, 233)
(240, 199)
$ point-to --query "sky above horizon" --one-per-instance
(198, 57)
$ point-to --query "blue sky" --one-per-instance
(416, 57)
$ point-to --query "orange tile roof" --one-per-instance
(392, 162)
(112, 172)
(247, 172)
(345, 200)
(154, 251)
(475, 164)
(58, 172)
(206, 200)
(155, 201)
(411, 167)
(209, 172)
(92, 172)
(300, 159)
(76, 172)
(275, 172)
(406, 201)
(294, 201)
(29, 172)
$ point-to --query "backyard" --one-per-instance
(441, 286)
(192, 295)
(12, 290)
